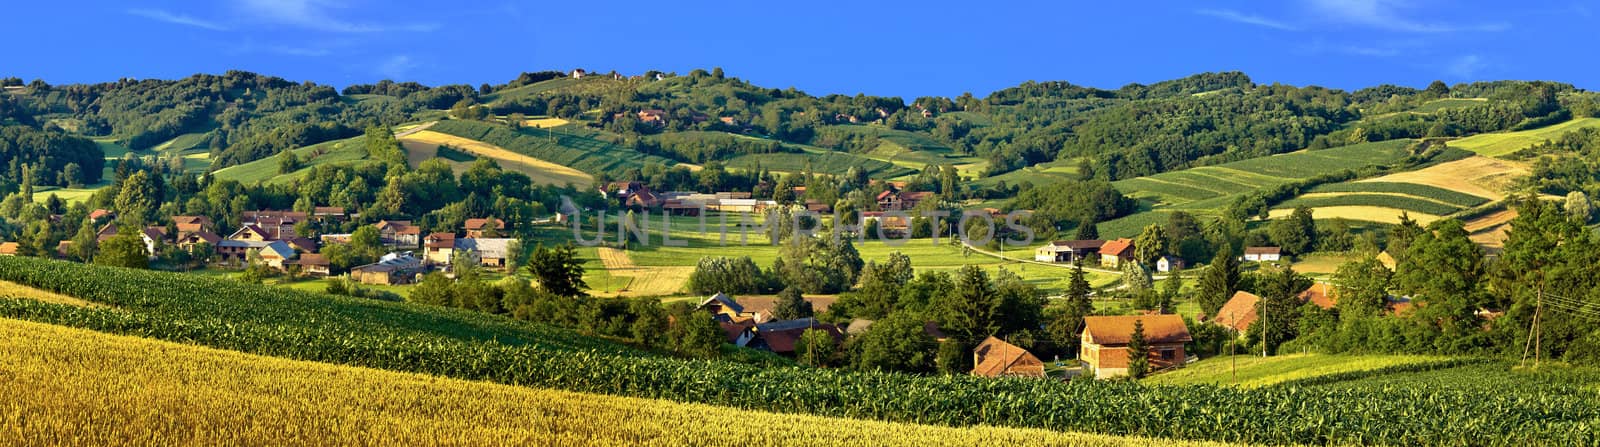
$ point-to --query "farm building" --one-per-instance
(996, 358)
(391, 269)
(490, 252)
(330, 213)
(9, 249)
(1105, 342)
(1067, 251)
(1170, 264)
(1262, 254)
(1114, 253)
(272, 223)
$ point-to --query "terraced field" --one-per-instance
(75, 386)
(1208, 189)
(1502, 143)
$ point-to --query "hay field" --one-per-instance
(1362, 213)
(641, 281)
(69, 386)
(544, 123)
(1479, 176)
(1502, 143)
(539, 170)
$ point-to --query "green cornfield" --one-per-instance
(401, 337)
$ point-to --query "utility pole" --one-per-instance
(1534, 338)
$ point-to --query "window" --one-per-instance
(1167, 354)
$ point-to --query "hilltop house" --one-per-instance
(1262, 254)
(1115, 252)
(1105, 342)
(996, 358)
(1067, 251)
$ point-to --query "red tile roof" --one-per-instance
(1117, 330)
(1119, 248)
(481, 224)
(1239, 312)
(1320, 294)
(996, 358)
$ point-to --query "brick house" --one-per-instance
(1105, 342)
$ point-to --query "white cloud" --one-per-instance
(1249, 19)
(180, 19)
(1384, 14)
(396, 67)
(1466, 66)
(317, 15)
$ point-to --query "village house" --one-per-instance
(1166, 264)
(276, 254)
(391, 269)
(480, 227)
(9, 248)
(1067, 251)
(578, 73)
(313, 265)
(107, 231)
(621, 190)
(1115, 252)
(439, 248)
(642, 199)
(1262, 254)
(64, 249)
(302, 244)
(1105, 342)
(724, 309)
(996, 358)
(274, 224)
(153, 238)
(760, 307)
(194, 224)
(399, 233)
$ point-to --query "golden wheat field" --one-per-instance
(1363, 213)
(1480, 176)
(643, 281)
(544, 123)
(540, 171)
(67, 386)
(11, 289)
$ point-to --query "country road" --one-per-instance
(1050, 264)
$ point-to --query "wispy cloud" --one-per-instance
(396, 67)
(1465, 66)
(1384, 14)
(179, 19)
(318, 15)
(1248, 19)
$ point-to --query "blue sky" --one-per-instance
(903, 49)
